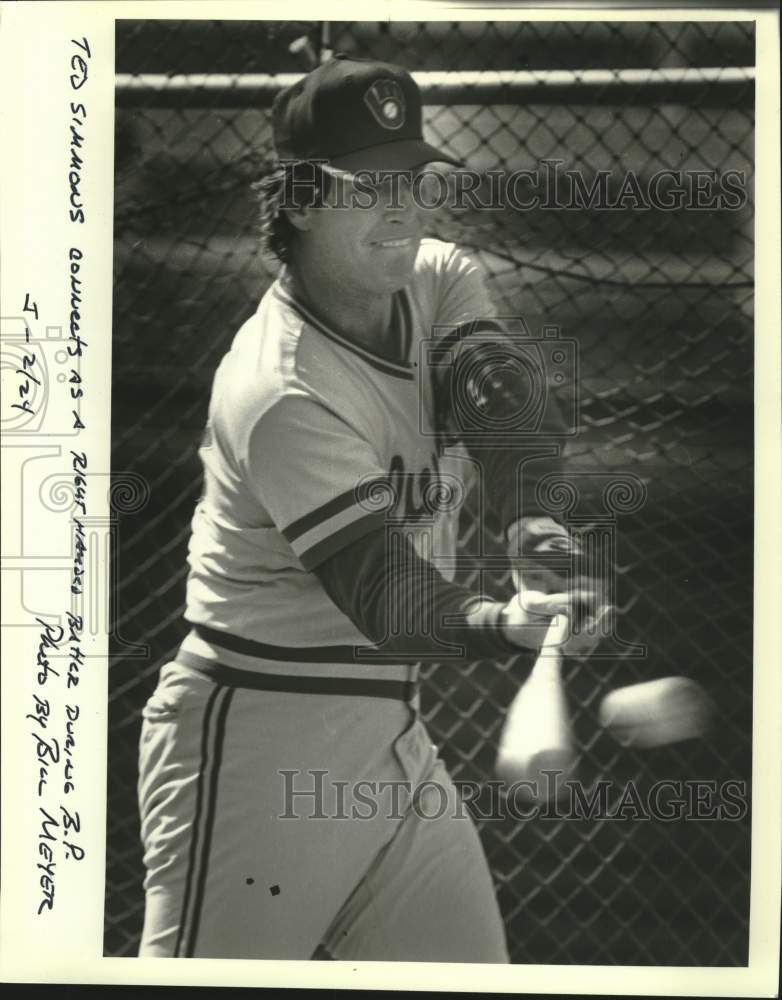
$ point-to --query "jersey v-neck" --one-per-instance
(401, 323)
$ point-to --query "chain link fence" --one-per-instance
(660, 301)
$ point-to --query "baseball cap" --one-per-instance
(357, 114)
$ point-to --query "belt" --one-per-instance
(265, 651)
(368, 687)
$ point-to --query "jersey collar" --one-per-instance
(401, 317)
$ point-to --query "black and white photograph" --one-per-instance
(605, 214)
(433, 476)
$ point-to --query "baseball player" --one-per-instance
(292, 803)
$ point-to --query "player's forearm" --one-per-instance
(504, 470)
(491, 383)
(404, 605)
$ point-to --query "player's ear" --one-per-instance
(308, 191)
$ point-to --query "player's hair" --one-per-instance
(288, 184)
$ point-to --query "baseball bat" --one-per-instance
(304, 50)
(537, 734)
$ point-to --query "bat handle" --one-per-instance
(556, 636)
(536, 736)
(547, 669)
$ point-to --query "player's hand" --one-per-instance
(526, 617)
(547, 560)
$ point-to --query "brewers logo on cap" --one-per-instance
(387, 103)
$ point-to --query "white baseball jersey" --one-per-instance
(304, 425)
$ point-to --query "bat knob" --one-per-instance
(540, 775)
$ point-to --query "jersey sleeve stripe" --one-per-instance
(334, 541)
(354, 497)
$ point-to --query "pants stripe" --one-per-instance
(226, 695)
(195, 828)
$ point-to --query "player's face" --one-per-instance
(369, 234)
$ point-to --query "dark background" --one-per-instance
(661, 306)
